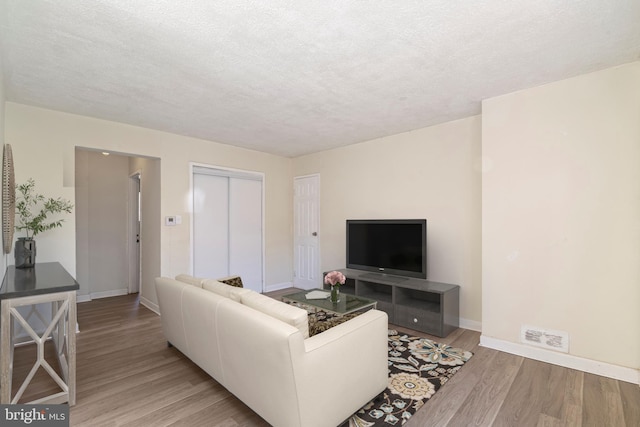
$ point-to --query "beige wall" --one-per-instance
(429, 173)
(151, 224)
(561, 213)
(3, 257)
(46, 152)
(81, 214)
(1, 102)
(102, 191)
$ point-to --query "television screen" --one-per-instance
(397, 247)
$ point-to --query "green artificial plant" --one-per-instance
(33, 209)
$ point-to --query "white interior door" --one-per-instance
(227, 225)
(306, 217)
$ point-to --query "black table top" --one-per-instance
(43, 278)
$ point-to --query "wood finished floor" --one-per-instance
(127, 376)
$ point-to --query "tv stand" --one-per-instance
(384, 277)
(418, 304)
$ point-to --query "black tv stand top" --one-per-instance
(384, 277)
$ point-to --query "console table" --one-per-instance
(43, 283)
(422, 305)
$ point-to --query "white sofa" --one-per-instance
(258, 348)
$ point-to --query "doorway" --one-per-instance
(117, 201)
(306, 220)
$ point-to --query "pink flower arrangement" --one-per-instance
(334, 278)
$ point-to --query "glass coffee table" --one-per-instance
(346, 305)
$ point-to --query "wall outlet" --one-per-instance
(545, 338)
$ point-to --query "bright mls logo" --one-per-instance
(34, 415)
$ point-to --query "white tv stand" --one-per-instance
(418, 304)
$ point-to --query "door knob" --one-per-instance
(315, 233)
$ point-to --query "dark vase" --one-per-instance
(25, 252)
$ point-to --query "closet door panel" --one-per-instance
(210, 225)
(245, 229)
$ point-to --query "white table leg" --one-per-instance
(6, 346)
(64, 319)
(70, 329)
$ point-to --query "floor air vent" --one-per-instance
(551, 340)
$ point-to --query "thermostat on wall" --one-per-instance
(173, 220)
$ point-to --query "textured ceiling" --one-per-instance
(292, 77)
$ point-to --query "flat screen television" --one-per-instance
(389, 246)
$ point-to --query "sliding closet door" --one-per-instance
(245, 229)
(210, 225)
(227, 225)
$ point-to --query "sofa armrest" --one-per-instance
(169, 292)
(342, 369)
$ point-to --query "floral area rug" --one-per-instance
(418, 367)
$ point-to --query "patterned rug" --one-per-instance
(418, 367)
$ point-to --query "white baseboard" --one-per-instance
(104, 294)
(472, 325)
(278, 286)
(144, 301)
(107, 294)
(118, 292)
(150, 305)
(562, 359)
(83, 298)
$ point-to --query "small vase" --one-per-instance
(25, 252)
(335, 293)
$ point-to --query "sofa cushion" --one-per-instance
(294, 316)
(220, 288)
(191, 280)
(232, 281)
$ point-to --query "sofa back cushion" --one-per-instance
(190, 280)
(225, 290)
(287, 313)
